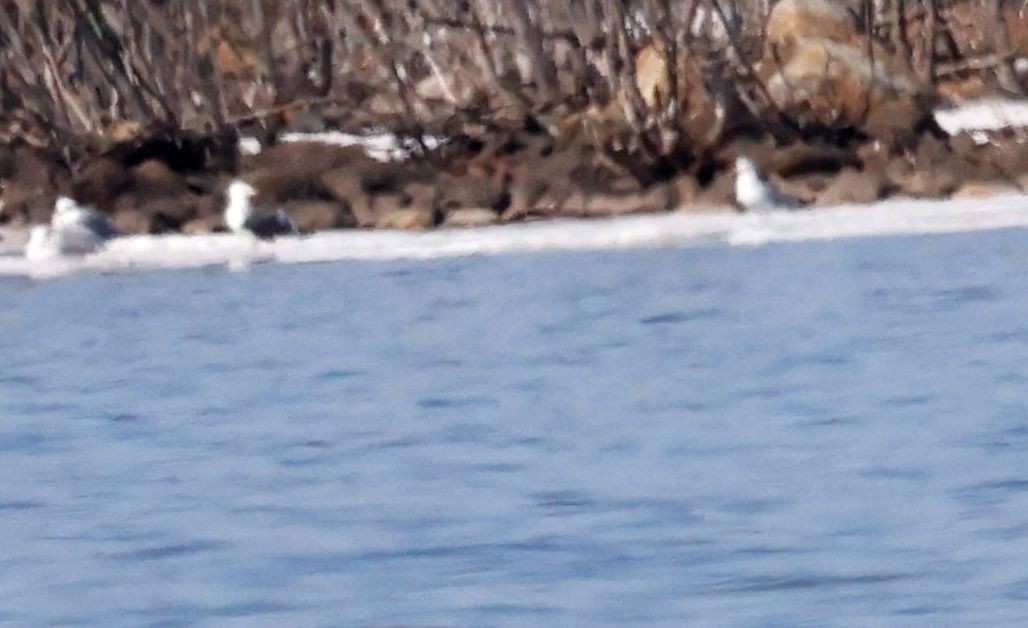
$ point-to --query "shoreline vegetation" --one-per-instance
(502, 110)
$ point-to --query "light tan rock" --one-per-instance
(470, 217)
(818, 70)
(984, 189)
(651, 75)
(793, 20)
(852, 186)
(685, 189)
(406, 218)
(469, 191)
(205, 225)
(133, 221)
(316, 215)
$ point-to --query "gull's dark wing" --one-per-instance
(271, 225)
(783, 200)
(101, 226)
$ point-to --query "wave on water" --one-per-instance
(894, 217)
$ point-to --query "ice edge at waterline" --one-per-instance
(893, 217)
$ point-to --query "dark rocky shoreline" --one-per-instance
(165, 186)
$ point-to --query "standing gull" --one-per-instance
(241, 215)
(73, 230)
(69, 216)
(755, 194)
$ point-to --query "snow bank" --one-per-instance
(976, 116)
(991, 114)
(894, 217)
(380, 146)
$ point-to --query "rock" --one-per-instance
(984, 189)
(122, 132)
(374, 189)
(657, 198)
(652, 78)
(533, 196)
(344, 184)
(818, 70)
(540, 185)
(470, 217)
(170, 213)
(204, 225)
(406, 218)
(381, 204)
(210, 205)
(421, 195)
(165, 213)
(720, 193)
(961, 89)
(100, 182)
(873, 156)
(794, 20)
(31, 184)
(685, 189)
(304, 156)
(852, 186)
(133, 221)
(896, 119)
(1005, 157)
(471, 191)
(295, 170)
(804, 187)
(921, 180)
(310, 216)
(154, 178)
(368, 175)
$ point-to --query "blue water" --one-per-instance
(820, 434)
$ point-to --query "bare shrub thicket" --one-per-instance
(77, 74)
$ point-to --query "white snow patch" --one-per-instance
(983, 115)
(894, 217)
(380, 146)
(250, 145)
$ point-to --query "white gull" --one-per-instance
(754, 193)
(73, 230)
(241, 216)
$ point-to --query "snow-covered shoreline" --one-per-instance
(887, 218)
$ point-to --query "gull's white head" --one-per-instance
(64, 204)
(241, 190)
(744, 167)
(238, 209)
(750, 190)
